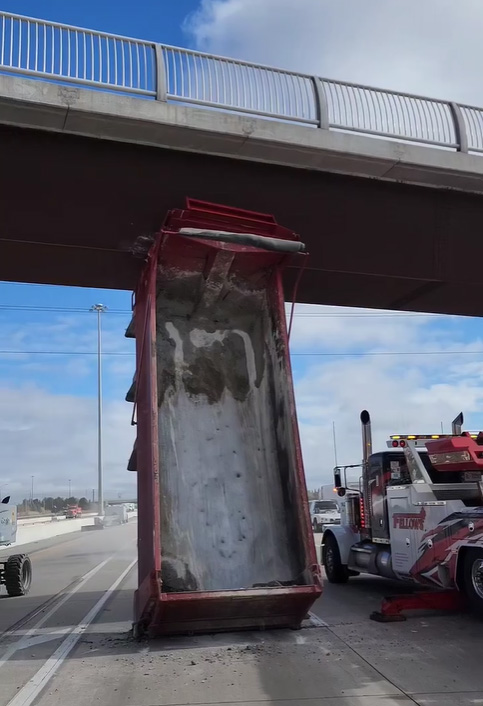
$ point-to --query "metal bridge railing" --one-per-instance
(60, 52)
(68, 54)
(218, 82)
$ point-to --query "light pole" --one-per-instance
(32, 491)
(99, 309)
(70, 493)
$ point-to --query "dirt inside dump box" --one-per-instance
(227, 459)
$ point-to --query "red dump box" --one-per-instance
(224, 536)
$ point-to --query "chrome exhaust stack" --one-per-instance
(457, 424)
(366, 435)
(366, 452)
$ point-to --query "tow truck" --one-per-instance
(417, 516)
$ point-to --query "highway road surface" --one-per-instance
(68, 642)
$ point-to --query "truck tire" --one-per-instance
(473, 579)
(18, 575)
(335, 570)
(316, 527)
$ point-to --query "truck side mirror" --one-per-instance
(337, 478)
(6, 500)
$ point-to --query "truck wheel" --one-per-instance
(18, 575)
(335, 570)
(473, 579)
(316, 526)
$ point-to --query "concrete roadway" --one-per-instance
(76, 648)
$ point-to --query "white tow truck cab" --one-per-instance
(418, 513)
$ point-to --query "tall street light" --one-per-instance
(99, 309)
(70, 492)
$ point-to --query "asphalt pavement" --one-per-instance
(68, 641)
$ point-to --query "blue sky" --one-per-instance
(47, 400)
(160, 20)
(48, 319)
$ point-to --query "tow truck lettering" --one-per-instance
(409, 520)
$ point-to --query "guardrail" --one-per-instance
(42, 519)
(66, 54)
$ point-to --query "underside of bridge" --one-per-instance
(72, 207)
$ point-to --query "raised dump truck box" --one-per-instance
(225, 540)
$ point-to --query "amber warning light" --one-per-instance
(400, 440)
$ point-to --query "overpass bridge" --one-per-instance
(100, 135)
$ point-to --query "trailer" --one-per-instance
(417, 517)
(115, 515)
(16, 569)
(224, 534)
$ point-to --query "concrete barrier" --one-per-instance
(26, 534)
(41, 519)
(24, 521)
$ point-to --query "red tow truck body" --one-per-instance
(224, 536)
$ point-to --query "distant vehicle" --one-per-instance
(115, 515)
(323, 512)
(73, 511)
(15, 570)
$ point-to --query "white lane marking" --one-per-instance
(24, 640)
(318, 622)
(42, 638)
(36, 684)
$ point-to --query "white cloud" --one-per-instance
(333, 328)
(54, 438)
(401, 399)
(405, 394)
(430, 47)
